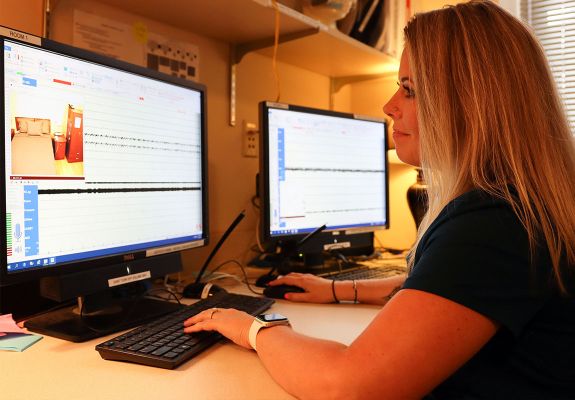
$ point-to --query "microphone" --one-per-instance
(289, 248)
(199, 290)
(310, 235)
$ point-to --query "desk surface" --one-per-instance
(57, 369)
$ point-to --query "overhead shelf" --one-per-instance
(249, 26)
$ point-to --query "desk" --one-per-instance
(56, 369)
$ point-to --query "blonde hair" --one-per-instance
(490, 118)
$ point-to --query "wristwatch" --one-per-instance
(265, 321)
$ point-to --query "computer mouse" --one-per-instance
(263, 280)
(279, 291)
(201, 290)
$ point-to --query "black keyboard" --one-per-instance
(162, 343)
(365, 272)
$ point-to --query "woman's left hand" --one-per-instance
(232, 323)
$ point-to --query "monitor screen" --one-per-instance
(319, 168)
(104, 167)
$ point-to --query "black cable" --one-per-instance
(247, 281)
(220, 266)
(170, 292)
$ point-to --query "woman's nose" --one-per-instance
(391, 110)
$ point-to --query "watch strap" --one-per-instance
(258, 324)
(253, 333)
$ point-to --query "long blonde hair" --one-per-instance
(490, 118)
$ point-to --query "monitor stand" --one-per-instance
(67, 323)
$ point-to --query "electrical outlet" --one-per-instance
(250, 141)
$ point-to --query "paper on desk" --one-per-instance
(7, 325)
(18, 341)
(14, 338)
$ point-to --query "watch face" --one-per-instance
(272, 317)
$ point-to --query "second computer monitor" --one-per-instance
(322, 167)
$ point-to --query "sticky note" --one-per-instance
(18, 341)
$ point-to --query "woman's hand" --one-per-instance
(317, 290)
(233, 324)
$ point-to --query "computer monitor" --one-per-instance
(104, 182)
(320, 167)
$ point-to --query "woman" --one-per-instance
(486, 311)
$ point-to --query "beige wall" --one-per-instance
(232, 176)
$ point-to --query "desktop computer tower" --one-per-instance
(75, 135)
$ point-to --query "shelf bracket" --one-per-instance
(336, 83)
(238, 51)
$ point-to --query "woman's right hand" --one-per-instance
(317, 290)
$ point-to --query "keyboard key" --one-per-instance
(162, 350)
(148, 349)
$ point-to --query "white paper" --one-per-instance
(108, 37)
(135, 44)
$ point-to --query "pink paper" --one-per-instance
(7, 325)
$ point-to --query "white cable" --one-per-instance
(259, 243)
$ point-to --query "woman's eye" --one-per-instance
(408, 91)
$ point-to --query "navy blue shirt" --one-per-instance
(476, 253)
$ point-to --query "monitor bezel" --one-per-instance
(329, 237)
(119, 260)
